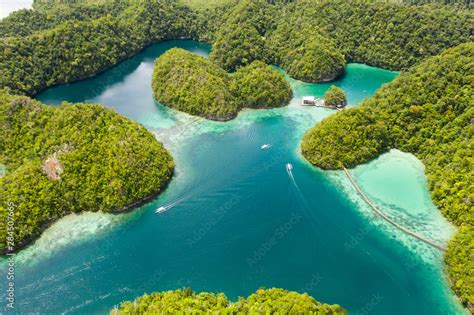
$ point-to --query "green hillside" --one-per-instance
(427, 111)
(72, 158)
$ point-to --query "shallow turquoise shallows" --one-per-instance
(237, 220)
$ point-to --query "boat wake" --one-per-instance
(289, 170)
(169, 206)
(302, 202)
(199, 183)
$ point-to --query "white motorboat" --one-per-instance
(289, 167)
(161, 210)
(265, 146)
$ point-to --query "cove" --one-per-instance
(238, 222)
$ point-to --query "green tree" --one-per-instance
(335, 97)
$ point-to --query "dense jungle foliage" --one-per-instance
(240, 39)
(427, 111)
(25, 22)
(335, 97)
(72, 158)
(245, 36)
(269, 301)
(310, 39)
(78, 49)
(382, 34)
(305, 53)
(193, 84)
(260, 86)
(64, 41)
(462, 4)
(460, 265)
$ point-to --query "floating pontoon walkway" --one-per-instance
(380, 213)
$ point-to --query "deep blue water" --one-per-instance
(239, 221)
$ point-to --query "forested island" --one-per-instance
(195, 85)
(271, 301)
(72, 158)
(83, 157)
(427, 111)
(335, 97)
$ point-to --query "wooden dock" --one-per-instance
(384, 216)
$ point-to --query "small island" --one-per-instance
(72, 158)
(193, 84)
(270, 301)
(335, 97)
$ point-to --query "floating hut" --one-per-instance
(312, 101)
(308, 101)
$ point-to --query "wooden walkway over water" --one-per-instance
(384, 216)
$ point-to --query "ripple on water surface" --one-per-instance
(217, 159)
(67, 231)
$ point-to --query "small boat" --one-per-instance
(265, 146)
(161, 210)
(289, 167)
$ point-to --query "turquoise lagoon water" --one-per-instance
(238, 221)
